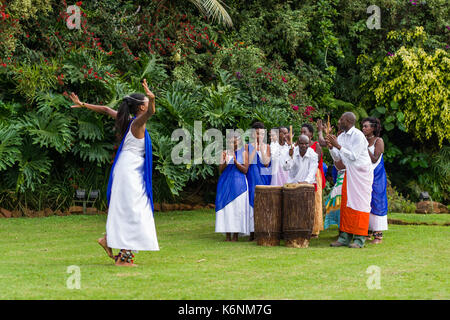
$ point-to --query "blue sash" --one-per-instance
(148, 163)
(232, 183)
(257, 174)
(379, 201)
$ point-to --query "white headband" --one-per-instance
(136, 99)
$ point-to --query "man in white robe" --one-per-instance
(351, 147)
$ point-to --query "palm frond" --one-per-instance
(214, 9)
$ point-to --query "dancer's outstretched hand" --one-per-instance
(75, 100)
(149, 94)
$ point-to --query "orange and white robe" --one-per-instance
(358, 179)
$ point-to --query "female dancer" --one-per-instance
(130, 224)
(258, 172)
(371, 128)
(308, 130)
(232, 206)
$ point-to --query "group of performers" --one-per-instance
(357, 202)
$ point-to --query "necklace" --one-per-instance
(370, 137)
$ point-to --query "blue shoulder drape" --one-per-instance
(379, 201)
(148, 164)
(257, 174)
(232, 183)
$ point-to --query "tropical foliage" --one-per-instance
(225, 64)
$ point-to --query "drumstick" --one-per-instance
(290, 133)
(328, 125)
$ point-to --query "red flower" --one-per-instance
(295, 108)
(259, 70)
(284, 79)
(79, 3)
(110, 53)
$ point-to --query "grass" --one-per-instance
(418, 218)
(195, 263)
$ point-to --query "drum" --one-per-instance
(298, 214)
(267, 214)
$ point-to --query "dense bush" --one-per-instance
(281, 63)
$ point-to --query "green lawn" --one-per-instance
(195, 263)
(418, 218)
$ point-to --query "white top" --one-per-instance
(353, 149)
(133, 144)
(279, 153)
(302, 169)
(372, 149)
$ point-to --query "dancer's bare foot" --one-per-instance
(102, 242)
(235, 237)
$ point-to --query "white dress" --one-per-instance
(234, 217)
(130, 224)
(377, 223)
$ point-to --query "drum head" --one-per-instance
(297, 185)
(264, 187)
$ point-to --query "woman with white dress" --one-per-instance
(378, 222)
(232, 204)
(130, 225)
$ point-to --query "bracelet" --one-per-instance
(83, 105)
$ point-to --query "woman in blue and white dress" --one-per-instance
(378, 222)
(130, 225)
(259, 170)
(232, 207)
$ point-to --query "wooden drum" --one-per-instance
(267, 214)
(298, 214)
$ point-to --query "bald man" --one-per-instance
(351, 148)
(302, 162)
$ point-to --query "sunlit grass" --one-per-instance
(196, 263)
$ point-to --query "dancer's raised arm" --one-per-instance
(100, 109)
(147, 110)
